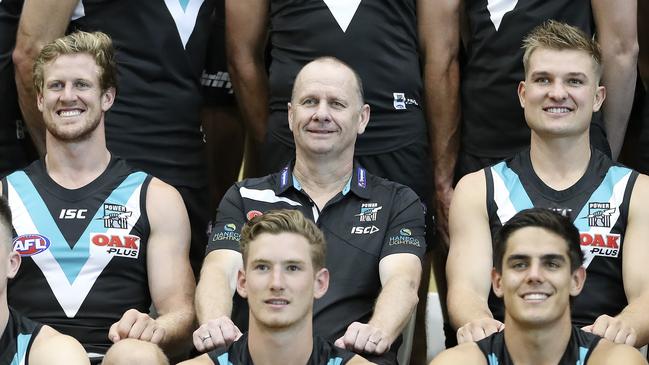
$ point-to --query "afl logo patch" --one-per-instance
(253, 213)
(31, 244)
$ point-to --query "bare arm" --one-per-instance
(439, 40)
(171, 282)
(246, 31)
(400, 274)
(214, 300)
(643, 41)
(616, 24)
(52, 348)
(41, 22)
(201, 360)
(469, 264)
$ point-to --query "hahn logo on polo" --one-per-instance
(117, 245)
(31, 244)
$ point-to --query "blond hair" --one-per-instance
(560, 36)
(97, 44)
(285, 221)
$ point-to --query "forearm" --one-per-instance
(178, 325)
(213, 297)
(250, 82)
(635, 315)
(23, 59)
(394, 306)
(619, 78)
(464, 306)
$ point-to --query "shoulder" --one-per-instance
(466, 353)
(607, 352)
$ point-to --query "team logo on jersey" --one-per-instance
(399, 101)
(116, 216)
(599, 214)
(368, 212)
(364, 230)
(607, 245)
(253, 213)
(31, 244)
(117, 245)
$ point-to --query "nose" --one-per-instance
(277, 279)
(68, 93)
(322, 113)
(534, 273)
(558, 91)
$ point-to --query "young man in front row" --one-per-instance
(537, 270)
(283, 258)
(560, 171)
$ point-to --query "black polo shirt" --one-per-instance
(369, 220)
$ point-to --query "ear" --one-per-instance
(364, 118)
(241, 283)
(600, 95)
(107, 99)
(577, 281)
(321, 283)
(39, 101)
(290, 116)
(13, 264)
(521, 94)
(496, 282)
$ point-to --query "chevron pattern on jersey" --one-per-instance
(184, 13)
(70, 272)
(509, 194)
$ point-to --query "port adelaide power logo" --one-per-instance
(116, 216)
(598, 242)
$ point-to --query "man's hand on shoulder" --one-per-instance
(215, 333)
(365, 338)
(138, 325)
(477, 330)
(613, 329)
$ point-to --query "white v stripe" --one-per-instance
(185, 19)
(69, 296)
(343, 11)
(498, 8)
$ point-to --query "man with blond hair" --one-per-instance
(562, 172)
(99, 240)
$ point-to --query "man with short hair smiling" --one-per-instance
(560, 171)
(283, 271)
(538, 271)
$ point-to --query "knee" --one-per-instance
(134, 352)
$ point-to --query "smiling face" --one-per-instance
(560, 92)
(326, 112)
(72, 102)
(279, 280)
(536, 281)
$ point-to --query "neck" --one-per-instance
(560, 162)
(289, 346)
(534, 345)
(75, 164)
(322, 178)
(4, 312)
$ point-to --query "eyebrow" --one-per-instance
(548, 257)
(570, 74)
(283, 262)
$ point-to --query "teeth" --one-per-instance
(70, 113)
(558, 110)
(535, 296)
(278, 302)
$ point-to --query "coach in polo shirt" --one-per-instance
(374, 228)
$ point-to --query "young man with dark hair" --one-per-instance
(538, 270)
